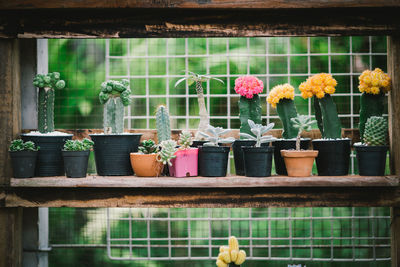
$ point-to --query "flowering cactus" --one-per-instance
(231, 254)
(248, 87)
(320, 87)
(373, 86)
(281, 97)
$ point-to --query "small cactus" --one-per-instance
(185, 139)
(301, 123)
(375, 133)
(231, 256)
(213, 136)
(114, 95)
(258, 130)
(148, 147)
(168, 149)
(46, 84)
(163, 124)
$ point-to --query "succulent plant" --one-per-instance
(376, 130)
(163, 124)
(78, 145)
(231, 255)
(20, 145)
(148, 147)
(214, 134)
(114, 95)
(167, 151)
(185, 139)
(301, 123)
(258, 130)
(47, 83)
(199, 79)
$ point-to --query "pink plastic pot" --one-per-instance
(185, 163)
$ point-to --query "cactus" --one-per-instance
(258, 130)
(168, 149)
(185, 139)
(249, 109)
(47, 83)
(199, 79)
(214, 136)
(231, 256)
(301, 123)
(375, 133)
(148, 147)
(163, 124)
(370, 105)
(327, 118)
(114, 95)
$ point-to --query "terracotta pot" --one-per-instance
(146, 165)
(299, 163)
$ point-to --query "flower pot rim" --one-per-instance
(141, 154)
(293, 139)
(114, 135)
(261, 148)
(46, 135)
(291, 153)
(331, 139)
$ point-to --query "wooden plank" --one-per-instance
(206, 182)
(197, 22)
(249, 4)
(11, 237)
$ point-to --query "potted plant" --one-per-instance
(23, 158)
(371, 154)
(163, 126)
(257, 158)
(204, 118)
(248, 87)
(213, 159)
(333, 151)
(186, 161)
(76, 156)
(373, 85)
(144, 162)
(281, 97)
(299, 162)
(49, 161)
(112, 148)
(230, 256)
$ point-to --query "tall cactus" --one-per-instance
(375, 133)
(47, 83)
(114, 95)
(163, 124)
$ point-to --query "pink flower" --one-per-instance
(248, 86)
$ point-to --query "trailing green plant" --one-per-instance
(185, 139)
(199, 79)
(301, 123)
(47, 83)
(258, 130)
(163, 124)
(114, 95)
(148, 147)
(281, 97)
(213, 136)
(376, 131)
(78, 145)
(20, 145)
(167, 152)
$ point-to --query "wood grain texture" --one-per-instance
(206, 182)
(11, 237)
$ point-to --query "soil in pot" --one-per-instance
(213, 160)
(283, 144)
(146, 165)
(238, 154)
(112, 151)
(49, 161)
(371, 160)
(333, 156)
(23, 163)
(76, 163)
(185, 163)
(258, 161)
(299, 163)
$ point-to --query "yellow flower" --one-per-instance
(318, 85)
(374, 82)
(281, 91)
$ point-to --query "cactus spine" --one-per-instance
(286, 111)
(46, 84)
(249, 109)
(327, 117)
(375, 133)
(163, 124)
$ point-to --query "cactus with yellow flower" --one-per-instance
(231, 255)
(373, 85)
(320, 87)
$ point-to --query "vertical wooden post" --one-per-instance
(393, 62)
(10, 126)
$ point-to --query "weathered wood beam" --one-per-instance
(10, 237)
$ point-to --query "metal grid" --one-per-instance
(265, 234)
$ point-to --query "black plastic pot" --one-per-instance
(49, 161)
(111, 152)
(198, 143)
(280, 167)
(258, 161)
(238, 154)
(76, 163)
(333, 156)
(213, 160)
(371, 160)
(23, 163)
